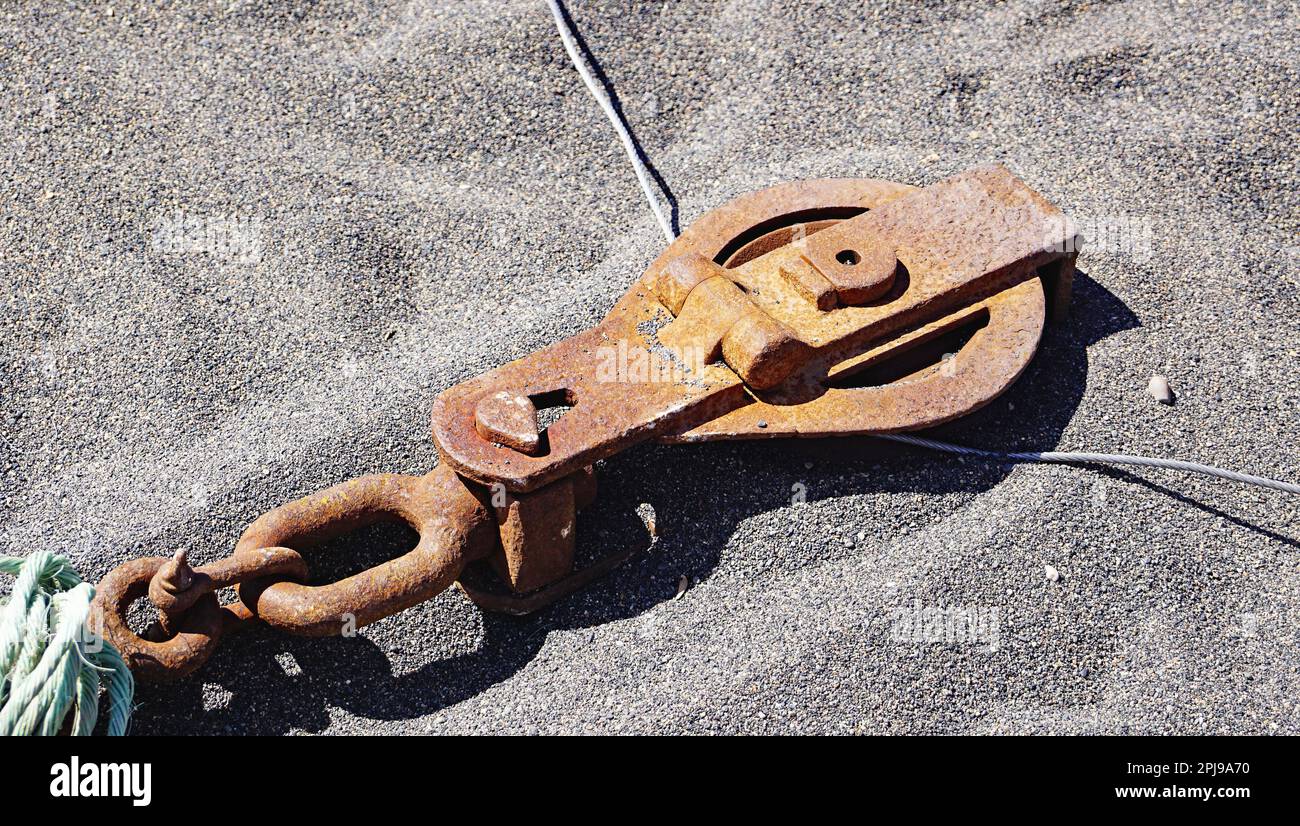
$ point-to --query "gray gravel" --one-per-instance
(385, 198)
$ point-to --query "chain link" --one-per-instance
(452, 518)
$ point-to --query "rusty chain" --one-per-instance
(451, 519)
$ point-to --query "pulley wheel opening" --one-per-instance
(909, 362)
(777, 232)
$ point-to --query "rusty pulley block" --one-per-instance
(816, 308)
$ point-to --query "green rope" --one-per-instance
(50, 662)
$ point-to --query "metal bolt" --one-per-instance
(509, 419)
(177, 575)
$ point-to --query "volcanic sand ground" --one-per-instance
(247, 243)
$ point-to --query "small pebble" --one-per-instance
(1051, 573)
(682, 584)
(1158, 387)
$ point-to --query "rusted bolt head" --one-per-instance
(680, 276)
(762, 350)
(861, 269)
(176, 575)
(508, 419)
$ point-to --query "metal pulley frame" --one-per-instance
(815, 308)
